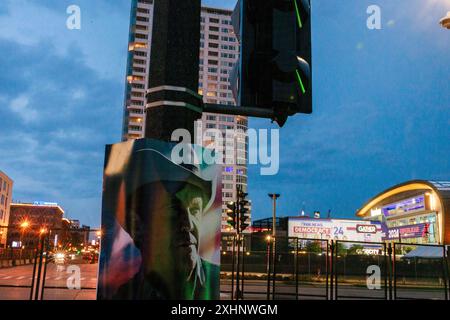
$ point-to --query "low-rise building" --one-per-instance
(28, 219)
(6, 186)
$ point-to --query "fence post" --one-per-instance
(46, 243)
(327, 270)
(34, 273)
(243, 265)
(268, 268)
(232, 267)
(274, 262)
(296, 268)
(39, 271)
(386, 271)
(445, 269)
(394, 272)
(336, 247)
(331, 269)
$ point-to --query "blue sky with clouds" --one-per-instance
(381, 104)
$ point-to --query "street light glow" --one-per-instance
(25, 224)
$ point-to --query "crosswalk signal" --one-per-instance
(275, 61)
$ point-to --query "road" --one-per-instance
(15, 284)
(257, 290)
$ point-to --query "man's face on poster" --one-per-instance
(187, 237)
(169, 237)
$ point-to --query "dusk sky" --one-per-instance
(381, 104)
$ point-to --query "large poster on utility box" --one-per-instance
(161, 225)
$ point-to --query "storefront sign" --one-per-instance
(364, 228)
(406, 232)
(415, 204)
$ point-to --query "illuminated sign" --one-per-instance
(16, 244)
(336, 229)
(370, 251)
(375, 212)
(405, 232)
(43, 203)
(415, 204)
(366, 228)
(313, 230)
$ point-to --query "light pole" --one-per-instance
(445, 21)
(268, 239)
(274, 197)
(24, 225)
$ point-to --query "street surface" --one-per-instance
(15, 284)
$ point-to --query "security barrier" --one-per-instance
(296, 268)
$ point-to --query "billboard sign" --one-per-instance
(415, 204)
(366, 228)
(335, 229)
(406, 232)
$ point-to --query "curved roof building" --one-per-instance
(416, 211)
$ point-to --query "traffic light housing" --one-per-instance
(232, 214)
(243, 210)
(275, 61)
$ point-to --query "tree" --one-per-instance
(314, 247)
(341, 249)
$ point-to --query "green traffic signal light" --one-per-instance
(275, 61)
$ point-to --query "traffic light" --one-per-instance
(243, 210)
(231, 213)
(243, 224)
(275, 61)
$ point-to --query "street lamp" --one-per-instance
(24, 225)
(274, 197)
(445, 22)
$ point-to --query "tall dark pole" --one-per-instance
(274, 197)
(172, 98)
(269, 238)
(232, 267)
(243, 266)
(238, 231)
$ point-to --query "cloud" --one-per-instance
(20, 106)
(391, 23)
(31, 23)
(60, 157)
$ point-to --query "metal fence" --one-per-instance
(297, 268)
(63, 265)
(418, 274)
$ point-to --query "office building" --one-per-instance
(219, 50)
